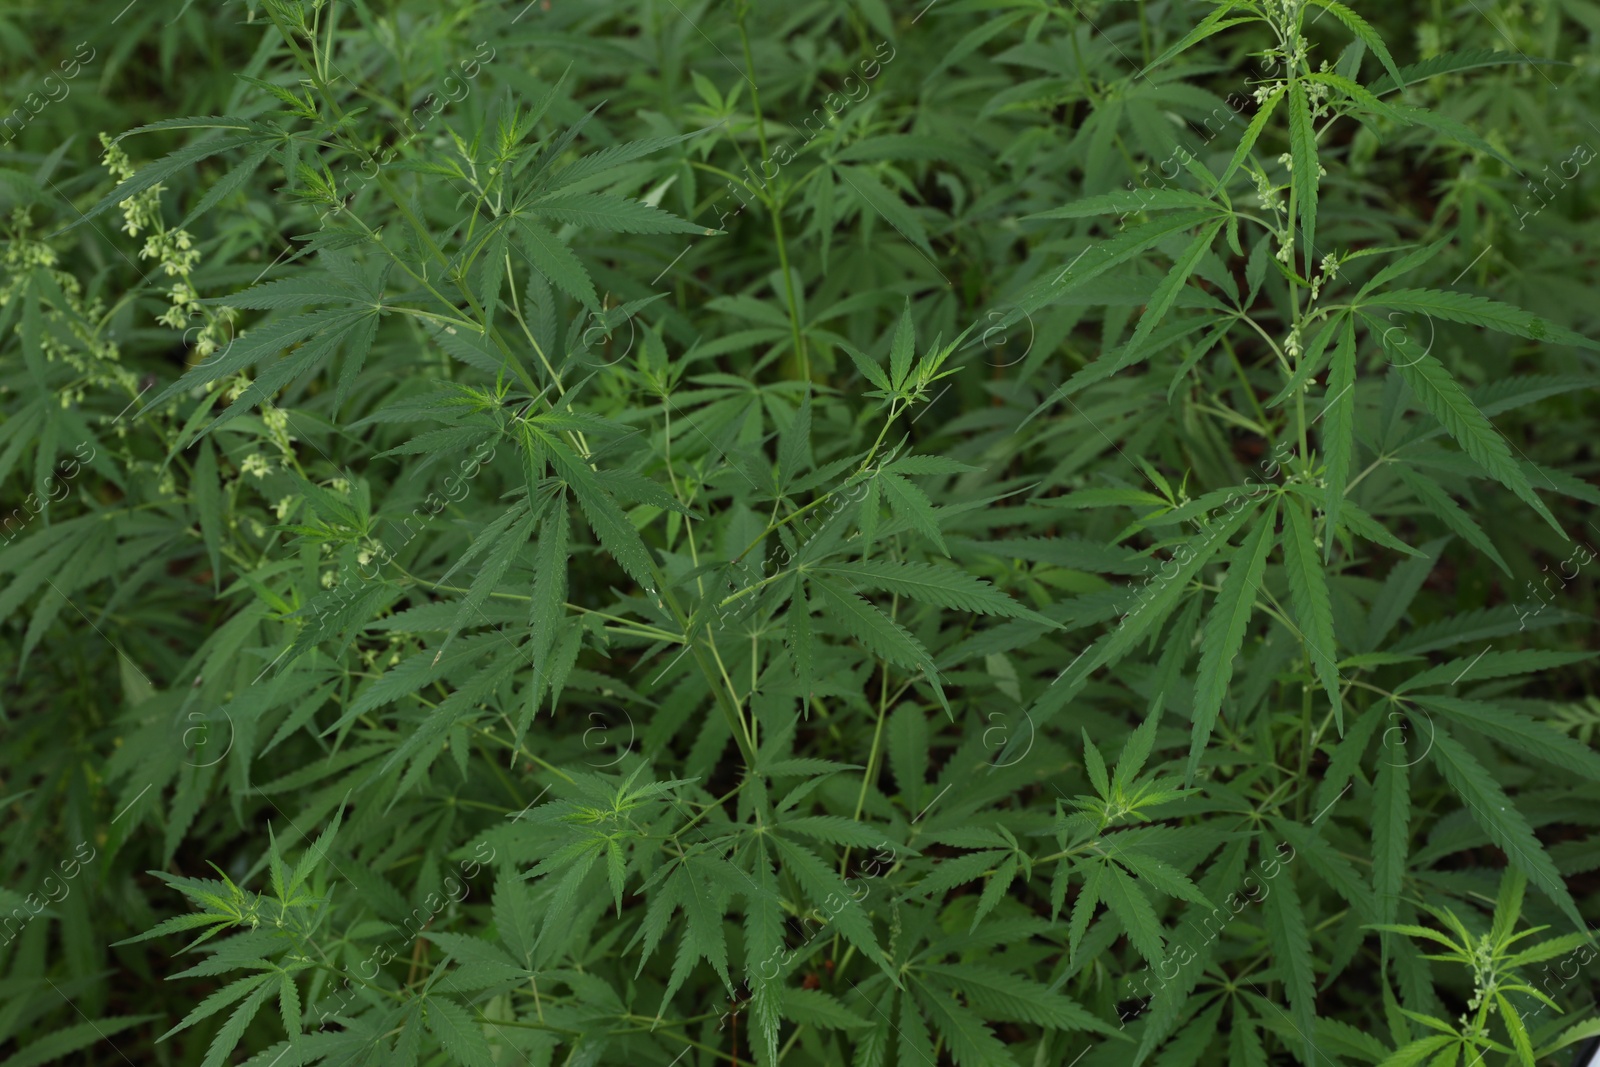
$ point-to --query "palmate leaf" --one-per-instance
(995, 889)
(616, 214)
(969, 1041)
(1516, 731)
(458, 1033)
(505, 537)
(1252, 133)
(1133, 909)
(231, 182)
(55, 1046)
(915, 1043)
(829, 893)
(901, 348)
(1480, 311)
(1212, 24)
(812, 1007)
(255, 344)
(1096, 260)
(1338, 438)
(1308, 591)
(1449, 63)
(615, 533)
(1224, 632)
(227, 1039)
(869, 370)
(598, 164)
(452, 708)
(1450, 513)
(558, 263)
(1291, 946)
(948, 587)
(798, 634)
(1441, 123)
(1303, 156)
(1492, 665)
(1419, 1051)
(1391, 828)
(1364, 33)
(311, 286)
(874, 196)
(969, 941)
(245, 134)
(1445, 400)
(1405, 264)
(881, 635)
(1152, 607)
(908, 745)
(999, 994)
(763, 941)
(1329, 864)
(218, 1000)
(952, 871)
(912, 504)
(1124, 201)
(702, 936)
(1400, 588)
(1161, 302)
(547, 606)
(1494, 812)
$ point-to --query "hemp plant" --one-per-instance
(703, 533)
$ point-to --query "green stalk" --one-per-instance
(774, 205)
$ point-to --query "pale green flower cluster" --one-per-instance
(276, 420)
(1330, 271)
(256, 465)
(70, 333)
(174, 253)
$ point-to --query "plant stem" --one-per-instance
(774, 207)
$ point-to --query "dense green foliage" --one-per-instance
(996, 532)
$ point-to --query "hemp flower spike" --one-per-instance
(256, 464)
